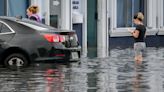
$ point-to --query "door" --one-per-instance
(92, 25)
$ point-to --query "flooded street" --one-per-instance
(117, 73)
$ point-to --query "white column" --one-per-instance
(114, 13)
(84, 29)
(149, 8)
(154, 13)
(111, 14)
(47, 12)
(102, 29)
(108, 26)
(151, 20)
(160, 13)
(66, 14)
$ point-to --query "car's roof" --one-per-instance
(5, 17)
(26, 21)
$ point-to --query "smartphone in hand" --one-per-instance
(131, 31)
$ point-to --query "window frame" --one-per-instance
(123, 31)
(129, 9)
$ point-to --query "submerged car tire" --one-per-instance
(16, 61)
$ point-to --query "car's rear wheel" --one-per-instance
(16, 61)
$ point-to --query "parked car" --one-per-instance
(23, 42)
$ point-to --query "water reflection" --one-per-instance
(54, 80)
(117, 73)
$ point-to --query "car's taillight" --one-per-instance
(61, 38)
(76, 37)
(54, 37)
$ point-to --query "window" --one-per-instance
(55, 13)
(3, 7)
(4, 29)
(1, 26)
(126, 10)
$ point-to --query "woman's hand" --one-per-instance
(131, 31)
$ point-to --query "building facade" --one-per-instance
(99, 23)
(13, 7)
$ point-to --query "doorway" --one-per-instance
(92, 26)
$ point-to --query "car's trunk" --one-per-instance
(70, 38)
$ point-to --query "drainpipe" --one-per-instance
(47, 12)
(102, 31)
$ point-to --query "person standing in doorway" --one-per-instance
(32, 13)
(139, 37)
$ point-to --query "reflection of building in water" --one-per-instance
(156, 77)
(103, 79)
(106, 76)
(76, 79)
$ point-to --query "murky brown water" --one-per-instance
(118, 73)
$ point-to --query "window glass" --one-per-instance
(55, 13)
(126, 10)
(0, 26)
(5, 29)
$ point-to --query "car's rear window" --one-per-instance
(35, 25)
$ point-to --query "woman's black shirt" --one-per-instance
(142, 31)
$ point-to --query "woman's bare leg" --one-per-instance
(138, 59)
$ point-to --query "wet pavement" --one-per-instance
(117, 73)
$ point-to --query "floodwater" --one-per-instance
(117, 73)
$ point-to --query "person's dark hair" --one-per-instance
(139, 16)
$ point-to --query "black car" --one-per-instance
(24, 41)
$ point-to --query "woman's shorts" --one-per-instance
(139, 48)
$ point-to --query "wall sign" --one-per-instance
(77, 16)
(76, 5)
(56, 2)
